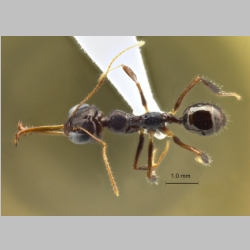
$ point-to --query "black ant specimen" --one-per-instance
(85, 123)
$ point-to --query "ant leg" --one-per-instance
(209, 84)
(155, 165)
(138, 151)
(151, 153)
(52, 130)
(201, 157)
(105, 159)
(150, 167)
(151, 172)
(104, 75)
(132, 75)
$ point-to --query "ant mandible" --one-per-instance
(85, 123)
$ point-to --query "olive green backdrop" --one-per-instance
(43, 77)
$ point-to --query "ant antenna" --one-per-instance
(104, 75)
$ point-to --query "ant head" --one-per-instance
(204, 119)
(84, 120)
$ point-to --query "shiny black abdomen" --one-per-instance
(204, 119)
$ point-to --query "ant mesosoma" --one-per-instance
(85, 123)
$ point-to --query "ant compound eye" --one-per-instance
(204, 119)
(83, 106)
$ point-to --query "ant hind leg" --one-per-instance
(209, 84)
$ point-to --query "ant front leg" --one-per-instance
(209, 84)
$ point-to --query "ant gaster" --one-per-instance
(85, 123)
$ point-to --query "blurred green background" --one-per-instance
(43, 77)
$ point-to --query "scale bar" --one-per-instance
(197, 183)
